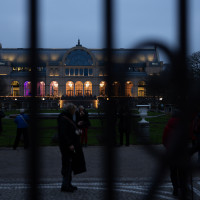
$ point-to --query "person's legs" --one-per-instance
(66, 172)
(17, 139)
(82, 136)
(26, 138)
(183, 174)
(174, 179)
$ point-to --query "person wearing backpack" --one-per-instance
(22, 129)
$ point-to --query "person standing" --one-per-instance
(124, 124)
(83, 123)
(196, 135)
(175, 142)
(71, 150)
(22, 121)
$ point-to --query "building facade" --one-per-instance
(77, 71)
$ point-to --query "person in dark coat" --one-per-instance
(2, 115)
(124, 124)
(195, 133)
(22, 121)
(83, 123)
(171, 140)
(71, 151)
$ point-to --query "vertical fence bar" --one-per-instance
(183, 83)
(110, 135)
(182, 66)
(33, 159)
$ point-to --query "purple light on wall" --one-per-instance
(27, 89)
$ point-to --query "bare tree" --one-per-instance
(194, 65)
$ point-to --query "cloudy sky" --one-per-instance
(62, 22)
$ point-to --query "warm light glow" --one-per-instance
(150, 57)
(54, 57)
(87, 85)
(102, 84)
(43, 99)
(70, 84)
(142, 58)
(55, 84)
(9, 57)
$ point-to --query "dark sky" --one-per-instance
(62, 22)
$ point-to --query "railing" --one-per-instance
(179, 78)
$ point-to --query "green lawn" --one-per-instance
(95, 132)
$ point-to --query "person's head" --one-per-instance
(21, 111)
(81, 108)
(176, 113)
(69, 108)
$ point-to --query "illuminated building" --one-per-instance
(76, 71)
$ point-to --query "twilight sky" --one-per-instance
(62, 22)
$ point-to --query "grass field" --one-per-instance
(95, 132)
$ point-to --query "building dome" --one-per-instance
(79, 57)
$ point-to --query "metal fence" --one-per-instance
(179, 78)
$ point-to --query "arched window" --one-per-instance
(54, 88)
(141, 89)
(129, 89)
(102, 88)
(27, 89)
(70, 88)
(15, 88)
(116, 89)
(88, 88)
(79, 88)
(41, 88)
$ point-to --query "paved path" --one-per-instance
(136, 167)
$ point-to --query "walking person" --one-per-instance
(83, 123)
(22, 121)
(71, 150)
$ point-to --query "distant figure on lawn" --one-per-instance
(71, 150)
(83, 123)
(2, 115)
(124, 124)
(22, 121)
